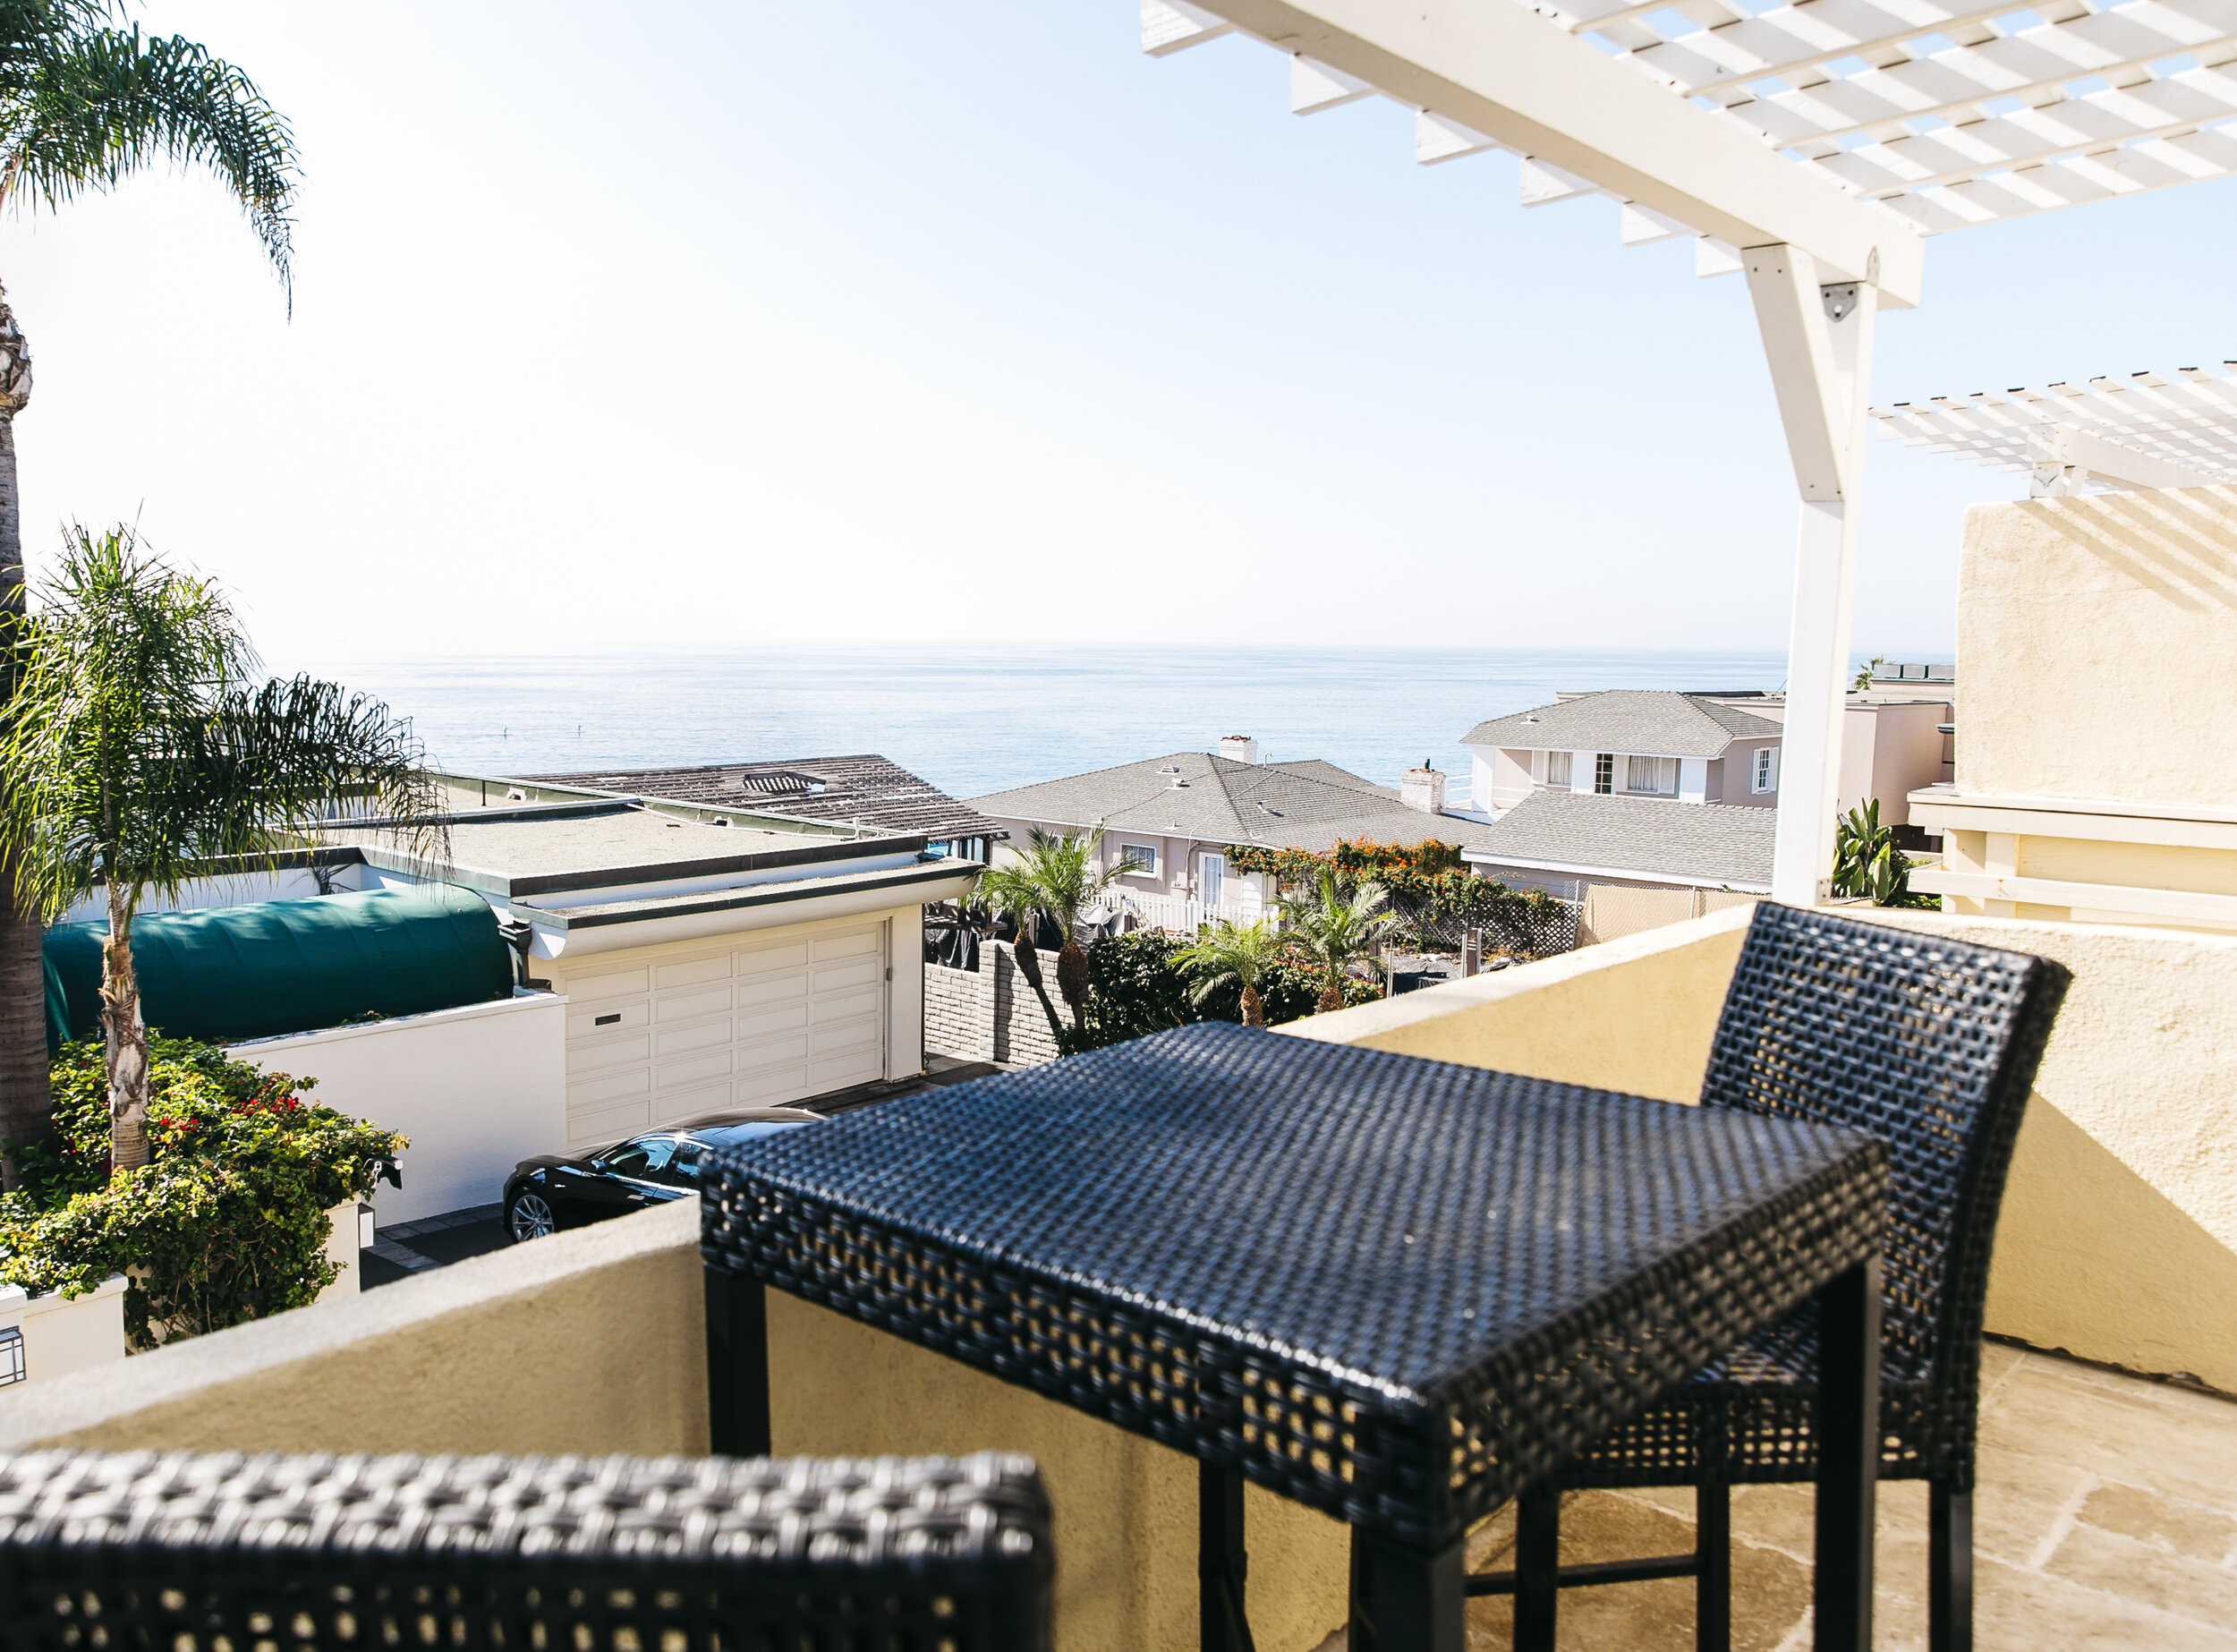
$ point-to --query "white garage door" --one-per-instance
(754, 1023)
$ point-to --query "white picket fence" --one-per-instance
(1167, 911)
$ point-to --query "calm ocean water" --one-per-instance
(980, 717)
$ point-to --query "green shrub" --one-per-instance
(1136, 989)
(227, 1221)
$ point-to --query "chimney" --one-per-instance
(1238, 748)
(1423, 789)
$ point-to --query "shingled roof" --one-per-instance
(1642, 721)
(1302, 805)
(1712, 844)
(840, 789)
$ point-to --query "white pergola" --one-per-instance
(2106, 436)
(1814, 146)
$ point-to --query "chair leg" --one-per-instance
(1713, 1584)
(1537, 1567)
(1949, 1570)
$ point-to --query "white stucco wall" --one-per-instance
(63, 1335)
(477, 1089)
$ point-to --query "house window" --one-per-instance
(1764, 777)
(1140, 857)
(1605, 772)
(1557, 769)
(1658, 775)
(12, 1367)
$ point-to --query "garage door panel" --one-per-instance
(770, 1088)
(600, 1125)
(846, 1035)
(685, 1105)
(784, 1019)
(838, 1072)
(761, 960)
(862, 942)
(687, 972)
(596, 1055)
(836, 977)
(699, 1036)
(594, 1020)
(684, 1005)
(771, 1052)
(714, 1064)
(611, 983)
(773, 989)
(611, 1087)
(831, 1006)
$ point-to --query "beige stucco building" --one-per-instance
(2127, 817)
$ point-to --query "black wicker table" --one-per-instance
(1396, 1290)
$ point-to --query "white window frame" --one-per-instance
(1558, 767)
(1661, 773)
(1138, 868)
(1763, 770)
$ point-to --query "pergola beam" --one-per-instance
(1496, 68)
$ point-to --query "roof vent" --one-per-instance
(777, 782)
(1180, 786)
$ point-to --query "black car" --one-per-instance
(551, 1191)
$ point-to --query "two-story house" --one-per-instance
(1629, 743)
(1168, 821)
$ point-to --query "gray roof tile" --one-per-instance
(840, 789)
(1648, 722)
(1709, 844)
(1303, 806)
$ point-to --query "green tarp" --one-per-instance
(289, 965)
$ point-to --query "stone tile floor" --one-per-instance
(2105, 1518)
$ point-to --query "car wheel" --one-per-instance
(529, 1217)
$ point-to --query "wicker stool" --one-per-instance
(202, 1554)
(1930, 1045)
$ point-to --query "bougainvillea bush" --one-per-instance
(1430, 889)
(227, 1221)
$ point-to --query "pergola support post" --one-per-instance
(1817, 339)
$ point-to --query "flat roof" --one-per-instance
(527, 845)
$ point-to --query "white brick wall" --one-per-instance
(990, 1014)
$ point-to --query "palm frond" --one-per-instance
(94, 104)
(1053, 874)
(136, 750)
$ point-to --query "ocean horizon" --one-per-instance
(977, 717)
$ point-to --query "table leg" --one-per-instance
(1222, 1562)
(1403, 1600)
(1848, 1426)
(737, 1366)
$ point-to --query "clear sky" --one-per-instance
(622, 326)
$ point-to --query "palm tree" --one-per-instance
(84, 105)
(1231, 952)
(1334, 930)
(139, 749)
(1057, 877)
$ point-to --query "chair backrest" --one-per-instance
(503, 1554)
(1930, 1045)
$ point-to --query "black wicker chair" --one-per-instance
(1930, 1045)
(140, 1553)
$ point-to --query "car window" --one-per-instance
(642, 1158)
(684, 1168)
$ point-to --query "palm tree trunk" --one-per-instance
(126, 1039)
(26, 1106)
(1072, 978)
(1332, 996)
(1254, 1007)
(1029, 966)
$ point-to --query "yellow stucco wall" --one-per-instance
(2130, 596)
(595, 1341)
(2118, 1240)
